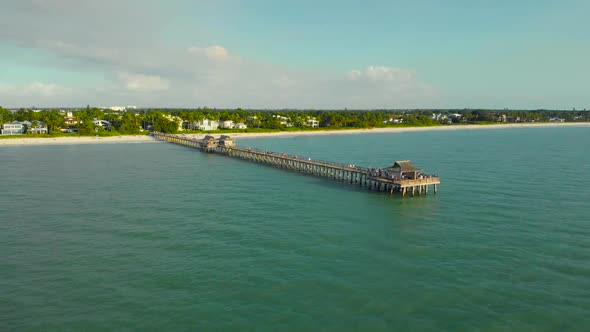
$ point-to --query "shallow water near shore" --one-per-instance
(162, 237)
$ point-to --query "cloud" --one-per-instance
(213, 52)
(143, 83)
(383, 74)
(99, 23)
(142, 69)
(33, 90)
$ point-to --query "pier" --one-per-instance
(401, 177)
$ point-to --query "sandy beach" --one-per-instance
(76, 140)
(150, 139)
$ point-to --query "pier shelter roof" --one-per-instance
(208, 138)
(225, 138)
(404, 166)
(226, 141)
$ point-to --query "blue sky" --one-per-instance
(295, 54)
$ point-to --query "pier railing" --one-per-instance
(337, 171)
(307, 160)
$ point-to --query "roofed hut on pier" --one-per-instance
(226, 141)
(209, 142)
(402, 169)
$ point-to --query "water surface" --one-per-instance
(161, 237)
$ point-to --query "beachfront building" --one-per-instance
(394, 119)
(69, 119)
(13, 128)
(312, 122)
(207, 124)
(41, 128)
(190, 125)
(227, 124)
(102, 124)
(69, 130)
(283, 120)
(456, 117)
(440, 117)
(253, 121)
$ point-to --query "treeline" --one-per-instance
(298, 119)
(169, 121)
(82, 120)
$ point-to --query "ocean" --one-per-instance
(155, 236)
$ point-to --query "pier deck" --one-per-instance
(402, 177)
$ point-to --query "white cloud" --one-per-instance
(145, 71)
(354, 74)
(382, 74)
(213, 52)
(33, 89)
(143, 83)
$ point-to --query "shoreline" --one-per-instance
(150, 139)
(69, 140)
(393, 130)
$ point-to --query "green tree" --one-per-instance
(129, 124)
(24, 115)
(85, 123)
(5, 116)
(34, 124)
(164, 125)
(54, 121)
(96, 113)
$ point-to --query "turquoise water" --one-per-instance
(156, 236)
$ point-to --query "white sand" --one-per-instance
(397, 130)
(77, 140)
(147, 139)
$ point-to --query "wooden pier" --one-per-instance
(401, 177)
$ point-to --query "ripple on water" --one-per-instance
(153, 236)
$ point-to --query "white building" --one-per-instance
(283, 120)
(394, 120)
(227, 124)
(207, 124)
(41, 128)
(69, 119)
(312, 122)
(120, 108)
(439, 117)
(102, 123)
(13, 128)
(240, 125)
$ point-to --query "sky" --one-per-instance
(304, 54)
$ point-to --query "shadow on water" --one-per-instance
(386, 206)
